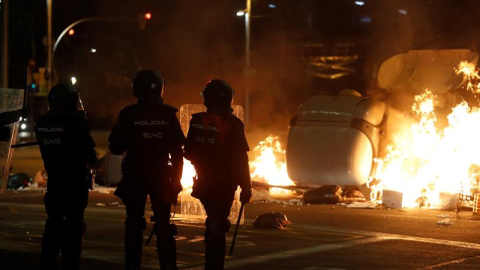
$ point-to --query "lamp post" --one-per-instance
(247, 72)
(51, 52)
(5, 45)
(49, 44)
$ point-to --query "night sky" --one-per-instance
(192, 41)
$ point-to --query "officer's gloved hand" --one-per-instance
(245, 196)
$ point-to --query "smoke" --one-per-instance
(191, 42)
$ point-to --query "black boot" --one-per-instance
(133, 251)
(215, 247)
(167, 252)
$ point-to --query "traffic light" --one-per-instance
(71, 32)
(32, 87)
(143, 20)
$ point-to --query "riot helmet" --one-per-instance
(218, 93)
(148, 83)
(64, 97)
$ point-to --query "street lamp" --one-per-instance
(49, 45)
(247, 72)
(51, 53)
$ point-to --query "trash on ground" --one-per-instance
(19, 180)
(271, 220)
(333, 194)
(446, 221)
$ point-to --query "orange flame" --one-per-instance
(426, 163)
(269, 165)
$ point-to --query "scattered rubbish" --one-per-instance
(392, 199)
(114, 203)
(19, 180)
(443, 216)
(333, 194)
(352, 194)
(100, 204)
(271, 220)
(445, 222)
(329, 194)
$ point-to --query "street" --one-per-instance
(319, 237)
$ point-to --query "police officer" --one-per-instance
(150, 135)
(68, 151)
(217, 147)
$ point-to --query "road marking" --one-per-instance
(388, 236)
(243, 262)
(373, 237)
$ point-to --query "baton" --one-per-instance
(236, 230)
(150, 237)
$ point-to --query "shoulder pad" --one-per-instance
(235, 119)
(170, 108)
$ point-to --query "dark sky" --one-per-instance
(192, 41)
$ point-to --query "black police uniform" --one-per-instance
(151, 136)
(217, 147)
(66, 147)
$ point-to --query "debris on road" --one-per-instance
(271, 220)
(446, 221)
(19, 180)
(333, 194)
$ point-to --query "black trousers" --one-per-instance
(217, 225)
(135, 199)
(64, 227)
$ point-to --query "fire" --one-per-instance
(429, 164)
(187, 175)
(268, 166)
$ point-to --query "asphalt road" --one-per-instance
(319, 237)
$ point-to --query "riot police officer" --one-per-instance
(68, 152)
(150, 135)
(217, 147)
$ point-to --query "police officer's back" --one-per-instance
(151, 137)
(217, 147)
(68, 152)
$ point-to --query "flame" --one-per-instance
(427, 162)
(187, 175)
(268, 166)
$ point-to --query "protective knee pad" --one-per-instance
(217, 228)
(165, 230)
(135, 224)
